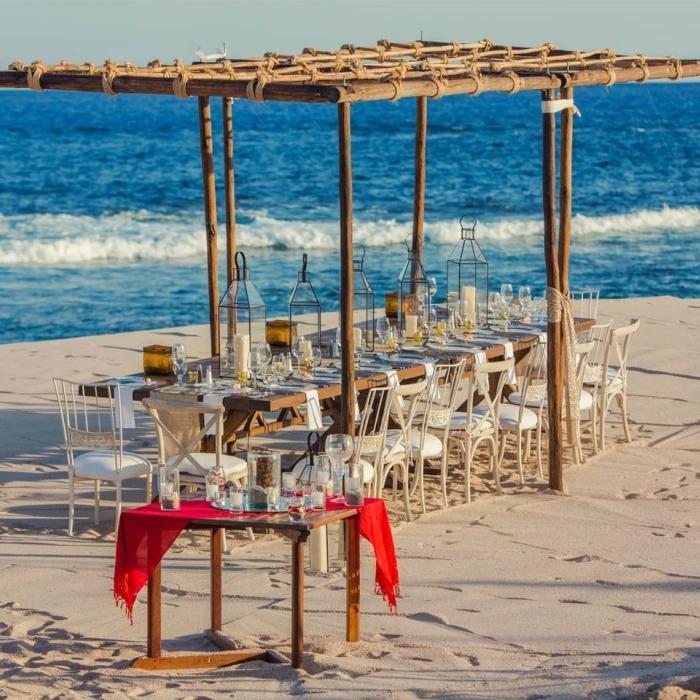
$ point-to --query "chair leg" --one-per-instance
(502, 448)
(601, 418)
(119, 505)
(528, 444)
(71, 502)
(406, 498)
(149, 487)
(494, 459)
(622, 400)
(539, 450)
(97, 502)
(520, 458)
(594, 425)
(421, 485)
(443, 475)
(467, 470)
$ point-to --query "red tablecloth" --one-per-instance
(145, 535)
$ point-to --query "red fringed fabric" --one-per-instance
(145, 535)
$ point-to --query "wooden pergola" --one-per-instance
(387, 71)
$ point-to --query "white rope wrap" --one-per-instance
(560, 310)
(553, 106)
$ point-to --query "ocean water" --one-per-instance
(101, 223)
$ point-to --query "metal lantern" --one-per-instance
(468, 275)
(241, 321)
(305, 308)
(362, 296)
(414, 293)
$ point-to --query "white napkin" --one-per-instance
(392, 379)
(508, 354)
(124, 407)
(314, 420)
(479, 359)
(214, 400)
(542, 337)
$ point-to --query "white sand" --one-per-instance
(531, 595)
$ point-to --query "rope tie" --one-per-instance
(254, 89)
(440, 84)
(642, 63)
(476, 77)
(181, 80)
(417, 48)
(509, 53)
(34, 73)
(89, 67)
(456, 48)
(313, 75)
(559, 310)
(350, 48)
(488, 44)
(517, 81)
(107, 79)
(612, 75)
(398, 89)
(678, 64)
(17, 66)
(381, 50)
(311, 51)
(155, 63)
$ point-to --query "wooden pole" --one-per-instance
(347, 403)
(207, 150)
(229, 188)
(565, 172)
(419, 175)
(554, 369)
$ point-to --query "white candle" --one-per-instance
(468, 299)
(306, 349)
(236, 499)
(319, 550)
(411, 325)
(357, 337)
(317, 498)
(241, 348)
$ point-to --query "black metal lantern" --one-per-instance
(414, 294)
(241, 321)
(467, 276)
(362, 296)
(305, 308)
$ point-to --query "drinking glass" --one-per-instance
(339, 448)
(432, 287)
(235, 499)
(383, 327)
(524, 296)
(399, 339)
(179, 362)
(316, 358)
(278, 367)
(507, 293)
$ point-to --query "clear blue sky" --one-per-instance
(141, 30)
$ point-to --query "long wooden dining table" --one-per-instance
(250, 414)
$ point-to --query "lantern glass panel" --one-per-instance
(362, 297)
(468, 275)
(241, 313)
(305, 308)
(414, 294)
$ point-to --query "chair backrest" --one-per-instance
(599, 335)
(88, 417)
(440, 399)
(371, 437)
(582, 350)
(617, 353)
(585, 303)
(180, 428)
(533, 383)
(407, 398)
(482, 375)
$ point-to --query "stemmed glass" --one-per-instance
(507, 293)
(399, 338)
(265, 355)
(339, 449)
(316, 357)
(524, 296)
(432, 288)
(179, 362)
(256, 363)
(383, 327)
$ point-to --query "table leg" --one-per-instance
(352, 536)
(216, 591)
(298, 603)
(153, 650)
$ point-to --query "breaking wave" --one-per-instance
(63, 239)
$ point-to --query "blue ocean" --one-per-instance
(101, 216)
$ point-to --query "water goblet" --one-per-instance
(383, 327)
(316, 358)
(432, 287)
(524, 296)
(339, 448)
(179, 362)
(507, 293)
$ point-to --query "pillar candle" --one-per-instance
(411, 325)
(357, 337)
(241, 349)
(468, 299)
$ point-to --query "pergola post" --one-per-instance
(207, 150)
(229, 187)
(419, 175)
(555, 375)
(347, 382)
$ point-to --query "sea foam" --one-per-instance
(64, 239)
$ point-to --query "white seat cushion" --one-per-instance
(509, 417)
(367, 471)
(515, 397)
(585, 402)
(432, 447)
(234, 467)
(99, 464)
(459, 420)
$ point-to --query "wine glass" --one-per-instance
(257, 366)
(179, 362)
(432, 287)
(339, 448)
(507, 293)
(316, 358)
(399, 338)
(524, 296)
(383, 327)
(278, 367)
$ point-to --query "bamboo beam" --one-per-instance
(565, 181)
(208, 180)
(419, 175)
(229, 188)
(352, 90)
(554, 369)
(347, 404)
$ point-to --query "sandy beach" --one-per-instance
(592, 594)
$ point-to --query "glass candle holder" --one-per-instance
(169, 487)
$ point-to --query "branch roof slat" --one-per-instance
(350, 74)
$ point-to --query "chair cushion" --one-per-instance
(459, 420)
(515, 398)
(99, 464)
(367, 471)
(432, 447)
(585, 402)
(234, 467)
(509, 417)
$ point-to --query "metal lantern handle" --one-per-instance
(461, 221)
(238, 266)
(409, 247)
(364, 250)
(304, 260)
